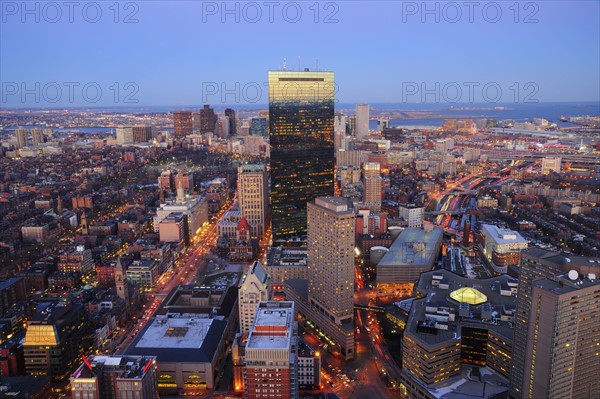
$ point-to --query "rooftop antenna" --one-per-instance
(299, 63)
(284, 64)
(317, 64)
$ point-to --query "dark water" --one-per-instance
(517, 112)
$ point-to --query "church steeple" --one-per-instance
(85, 228)
(59, 205)
(121, 282)
(180, 192)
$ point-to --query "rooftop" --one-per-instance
(452, 302)
(273, 326)
(336, 204)
(130, 367)
(413, 247)
(565, 284)
(252, 168)
(287, 256)
(473, 381)
(189, 338)
(23, 386)
(502, 235)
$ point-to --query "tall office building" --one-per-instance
(38, 136)
(21, 134)
(271, 363)
(412, 214)
(255, 287)
(194, 206)
(339, 131)
(182, 120)
(362, 120)
(372, 186)
(54, 340)
(563, 343)
(301, 113)
(258, 126)
(115, 377)
(208, 119)
(230, 113)
(331, 259)
(537, 351)
(142, 133)
(252, 186)
(124, 135)
(222, 127)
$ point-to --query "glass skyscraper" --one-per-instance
(301, 114)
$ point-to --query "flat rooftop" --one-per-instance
(502, 235)
(563, 284)
(472, 382)
(189, 338)
(273, 326)
(175, 333)
(413, 247)
(287, 256)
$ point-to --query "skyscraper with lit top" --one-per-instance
(301, 115)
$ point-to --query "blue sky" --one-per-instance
(189, 52)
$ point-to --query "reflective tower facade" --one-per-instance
(301, 115)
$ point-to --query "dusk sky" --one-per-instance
(183, 53)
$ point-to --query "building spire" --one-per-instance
(180, 192)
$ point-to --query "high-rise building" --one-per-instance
(258, 126)
(301, 113)
(222, 127)
(372, 186)
(413, 214)
(252, 186)
(339, 131)
(142, 133)
(502, 247)
(124, 135)
(271, 362)
(455, 326)
(38, 136)
(255, 287)
(208, 119)
(538, 264)
(194, 206)
(21, 134)
(550, 164)
(54, 340)
(563, 341)
(182, 120)
(115, 377)
(174, 228)
(362, 120)
(331, 262)
(230, 113)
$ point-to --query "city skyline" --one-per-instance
(327, 199)
(527, 47)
